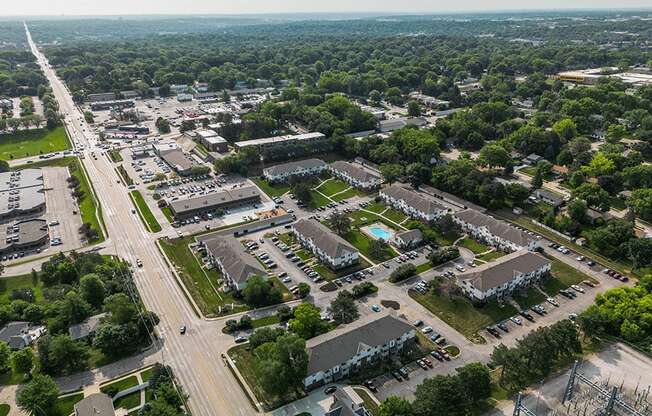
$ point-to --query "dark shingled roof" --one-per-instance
(290, 167)
(98, 404)
(503, 269)
(353, 171)
(414, 199)
(323, 238)
(338, 346)
(239, 264)
(496, 227)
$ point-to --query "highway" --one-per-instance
(195, 356)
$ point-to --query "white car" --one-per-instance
(427, 330)
(53, 223)
(516, 320)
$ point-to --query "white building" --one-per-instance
(326, 245)
(494, 232)
(355, 175)
(501, 277)
(412, 203)
(284, 171)
(408, 239)
(344, 351)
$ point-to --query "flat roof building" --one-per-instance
(281, 140)
(212, 141)
(23, 235)
(102, 96)
(326, 245)
(200, 205)
(233, 261)
(177, 159)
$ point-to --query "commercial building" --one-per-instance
(280, 141)
(355, 175)
(177, 159)
(284, 171)
(389, 125)
(23, 236)
(326, 245)
(96, 404)
(210, 203)
(99, 97)
(497, 233)
(344, 351)
(129, 94)
(504, 275)
(212, 141)
(113, 104)
(635, 78)
(20, 334)
(412, 203)
(21, 193)
(233, 261)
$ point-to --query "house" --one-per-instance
(284, 171)
(233, 261)
(408, 239)
(428, 101)
(326, 245)
(20, 334)
(355, 175)
(344, 402)
(388, 126)
(549, 197)
(344, 351)
(97, 404)
(210, 203)
(503, 276)
(533, 159)
(87, 328)
(497, 233)
(412, 203)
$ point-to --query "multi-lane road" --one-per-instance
(195, 356)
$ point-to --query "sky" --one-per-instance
(130, 7)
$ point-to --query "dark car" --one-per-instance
(503, 326)
(397, 375)
(182, 330)
(404, 373)
(527, 316)
(330, 390)
(370, 385)
(436, 356)
(493, 331)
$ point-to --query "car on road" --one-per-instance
(139, 263)
(182, 330)
(53, 223)
(240, 339)
(330, 389)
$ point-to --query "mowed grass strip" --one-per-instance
(271, 190)
(33, 142)
(144, 212)
(332, 187)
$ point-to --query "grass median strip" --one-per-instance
(144, 212)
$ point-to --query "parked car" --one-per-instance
(552, 301)
(503, 326)
(427, 330)
(516, 320)
(330, 389)
(527, 316)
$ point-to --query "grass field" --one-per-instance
(360, 218)
(120, 385)
(394, 215)
(11, 283)
(128, 402)
(196, 281)
(362, 243)
(369, 404)
(562, 277)
(318, 200)
(349, 193)
(89, 209)
(491, 256)
(530, 298)
(460, 313)
(376, 207)
(271, 190)
(4, 409)
(168, 214)
(65, 405)
(125, 176)
(33, 142)
(144, 212)
(332, 187)
(423, 267)
(473, 245)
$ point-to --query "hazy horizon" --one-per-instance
(82, 8)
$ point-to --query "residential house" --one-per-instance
(504, 275)
(414, 204)
(549, 197)
(96, 404)
(326, 245)
(408, 239)
(233, 261)
(355, 175)
(344, 351)
(21, 334)
(86, 329)
(284, 171)
(344, 402)
(533, 159)
(497, 233)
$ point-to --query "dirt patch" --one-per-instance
(390, 304)
(328, 287)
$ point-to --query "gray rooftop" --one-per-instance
(22, 232)
(414, 199)
(13, 333)
(97, 404)
(503, 269)
(214, 200)
(496, 227)
(338, 346)
(354, 171)
(21, 179)
(288, 168)
(178, 159)
(238, 263)
(86, 328)
(326, 240)
(410, 235)
(280, 139)
(21, 199)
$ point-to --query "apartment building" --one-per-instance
(284, 171)
(494, 232)
(326, 245)
(233, 261)
(412, 203)
(355, 175)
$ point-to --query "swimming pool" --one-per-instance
(380, 232)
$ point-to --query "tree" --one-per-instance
(303, 289)
(88, 116)
(641, 203)
(4, 166)
(343, 308)
(639, 251)
(260, 292)
(59, 354)
(577, 209)
(340, 223)
(116, 340)
(301, 191)
(264, 335)
(599, 165)
(476, 381)
(307, 322)
(22, 361)
(378, 248)
(414, 109)
(163, 125)
(494, 155)
(395, 406)
(121, 308)
(5, 356)
(92, 289)
(282, 365)
(39, 395)
(391, 172)
(593, 194)
(440, 395)
(565, 129)
(403, 272)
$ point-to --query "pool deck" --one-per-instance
(372, 230)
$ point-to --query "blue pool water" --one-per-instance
(380, 233)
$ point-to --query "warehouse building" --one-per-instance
(211, 203)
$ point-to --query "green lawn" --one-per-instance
(124, 175)
(460, 313)
(317, 200)
(332, 187)
(128, 402)
(168, 214)
(395, 215)
(376, 207)
(120, 385)
(265, 321)
(423, 267)
(350, 193)
(196, 281)
(530, 298)
(473, 245)
(4, 409)
(245, 361)
(115, 155)
(491, 256)
(360, 218)
(562, 276)
(66, 405)
(144, 212)
(303, 254)
(271, 190)
(11, 283)
(328, 274)
(369, 404)
(33, 142)
(146, 374)
(362, 242)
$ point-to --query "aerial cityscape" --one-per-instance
(325, 211)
